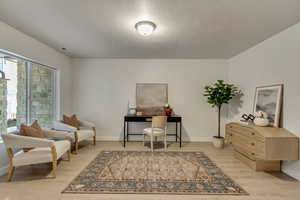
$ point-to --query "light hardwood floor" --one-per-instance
(33, 183)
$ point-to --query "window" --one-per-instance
(27, 94)
(14, 90)
(42, 93)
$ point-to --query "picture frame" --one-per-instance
(269, 99)
(151, 98)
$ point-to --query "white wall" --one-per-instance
(17, 42)
(14, 41)
(275, 60)
(102, 89)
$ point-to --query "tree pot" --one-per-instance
(218, 142)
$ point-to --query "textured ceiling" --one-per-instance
(185, 28)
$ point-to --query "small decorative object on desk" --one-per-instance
(132, 109)
(261, 119)
(168, 110)
(139, 113)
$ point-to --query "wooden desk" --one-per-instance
(144, 118)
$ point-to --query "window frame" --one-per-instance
(55, 85)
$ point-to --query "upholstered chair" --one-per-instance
(158, 128)
(86, 131)
(43, 150)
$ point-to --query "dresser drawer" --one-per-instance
(260, 150)
(228, 137)
(245, 131)
(253, 148)
(240, 148)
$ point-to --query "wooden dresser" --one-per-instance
(262, 148)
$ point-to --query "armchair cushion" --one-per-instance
(36, 125)
(72, 121)
(33, 131)
(41, 154)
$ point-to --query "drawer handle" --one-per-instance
(230, 126)
(253, 154)
(252, 133)
(253, 144)
(230, 134)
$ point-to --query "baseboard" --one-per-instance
(108, 138)
(200, 139)
(3, 170)
(192, 139)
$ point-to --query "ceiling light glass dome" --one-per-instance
(145, 28)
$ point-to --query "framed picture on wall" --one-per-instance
(269, 100)
(151, 98)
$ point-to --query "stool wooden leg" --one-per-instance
(165, 143)
(76, 142)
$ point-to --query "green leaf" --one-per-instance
(220, 93)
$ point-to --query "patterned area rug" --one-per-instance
(155, 173)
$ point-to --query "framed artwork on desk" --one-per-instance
(151, 98)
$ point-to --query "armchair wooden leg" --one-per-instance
(76, 147)
(10, 173)
(54, 161)
(11, 166)
(69, 155)
(94, 140)
(94, 129)
(76, 143)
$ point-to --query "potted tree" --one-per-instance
(218, 94)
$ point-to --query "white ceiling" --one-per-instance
(185, 28)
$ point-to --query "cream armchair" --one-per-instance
(86, 131)
(44, 150)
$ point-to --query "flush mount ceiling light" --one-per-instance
(145, 28)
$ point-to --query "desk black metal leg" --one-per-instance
(180, 134)
(127, 131)
(124, 139)
(176, 132)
